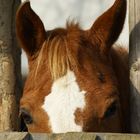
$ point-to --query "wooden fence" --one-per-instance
(68, 136)
(10, 71)
(134, 57)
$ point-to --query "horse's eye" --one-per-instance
(26, 116)
(111, 110)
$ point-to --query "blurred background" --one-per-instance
(54, 13)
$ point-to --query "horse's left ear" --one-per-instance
(107, 28)
(30, 29)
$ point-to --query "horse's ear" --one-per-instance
(108, 26)
(30, 29)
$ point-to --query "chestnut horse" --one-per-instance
(77, 81)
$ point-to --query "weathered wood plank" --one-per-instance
(85, 136)
(68, 136)
(134, 21)
(10, 73)
(65, 136)
(14, 136)
(120, 137)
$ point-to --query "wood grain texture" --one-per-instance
(14, 136)
(134, 20)
(68, 136)
(10, 72)
(65, 136)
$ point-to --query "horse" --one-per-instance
(78, 81)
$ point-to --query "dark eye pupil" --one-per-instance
(110, 111)
(27, 119)
(26, 116)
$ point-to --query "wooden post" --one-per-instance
(10, 71)
(134, 21)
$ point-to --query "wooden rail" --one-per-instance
(68, 136)
(134, 57)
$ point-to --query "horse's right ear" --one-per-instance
(30, 29)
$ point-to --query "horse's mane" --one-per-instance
(60, 58)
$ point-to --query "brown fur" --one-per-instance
(100, 69)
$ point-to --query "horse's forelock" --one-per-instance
(59, 54)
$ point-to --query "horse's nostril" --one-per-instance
(26, 116)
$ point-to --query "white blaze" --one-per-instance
(62, 102)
